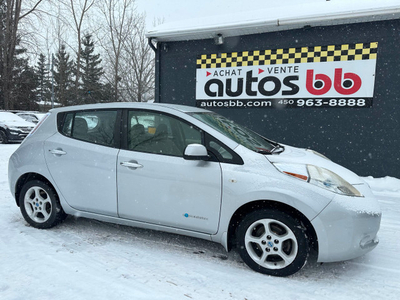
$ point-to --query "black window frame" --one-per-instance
(236, 158)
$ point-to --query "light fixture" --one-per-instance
(219, 39)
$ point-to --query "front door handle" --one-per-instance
(58, 152)
(131, 164)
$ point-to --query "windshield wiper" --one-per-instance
(277, 149)
(264, 151)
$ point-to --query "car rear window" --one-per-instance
(95, 126)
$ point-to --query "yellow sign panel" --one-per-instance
(345, 52)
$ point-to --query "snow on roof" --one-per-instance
(278, 18)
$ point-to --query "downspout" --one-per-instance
(152, 45)
(157, 79)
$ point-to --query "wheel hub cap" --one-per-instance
(271, 244)
(37, 204)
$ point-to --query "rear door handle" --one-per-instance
(58, 152)
(131, 164)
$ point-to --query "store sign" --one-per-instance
(322, 76)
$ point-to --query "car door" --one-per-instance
(82, 160)
(157, 185)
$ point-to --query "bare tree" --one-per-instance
(11, 16)
(78, 9)
(59, 27)
(120, 17)
(138, 75)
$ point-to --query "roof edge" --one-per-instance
(177, 32)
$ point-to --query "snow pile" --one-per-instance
(388, 186)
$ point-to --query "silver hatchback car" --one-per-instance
(193, 172)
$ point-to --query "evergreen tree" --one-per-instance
(44, 83)
(92, 88)
(24, 83)
(3, 51)
(63, 81)
(10, 35)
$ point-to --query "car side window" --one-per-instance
(220, 152)
(90, 126)
(158, 133)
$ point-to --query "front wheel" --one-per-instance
(40, 205)
(3, 137)
(272, 242)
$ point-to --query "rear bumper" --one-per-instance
(347, 228)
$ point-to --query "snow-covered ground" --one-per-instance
(85, 259)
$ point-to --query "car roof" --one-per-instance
(132, 105)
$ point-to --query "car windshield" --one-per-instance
(236, 132)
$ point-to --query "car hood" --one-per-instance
(293, 155)
(17, 123)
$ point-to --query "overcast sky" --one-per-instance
(179, 10)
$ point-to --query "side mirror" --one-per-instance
(195, 152)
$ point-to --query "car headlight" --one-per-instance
(320, 177)
(12, 128)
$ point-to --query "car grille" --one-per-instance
(25, 129)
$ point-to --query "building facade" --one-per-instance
(329, 83)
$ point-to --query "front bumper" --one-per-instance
(347, 228)
(17, 136)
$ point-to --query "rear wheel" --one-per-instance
(272, 242)
(40, 205)
(3, 137)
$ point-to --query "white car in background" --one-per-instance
(190, 171)
(13, 128)
(33, 117)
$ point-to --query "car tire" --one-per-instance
(272, 242)
(3, 137)
(40, 205)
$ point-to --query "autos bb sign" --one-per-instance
(320, 76)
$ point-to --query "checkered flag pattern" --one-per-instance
(345, 52)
